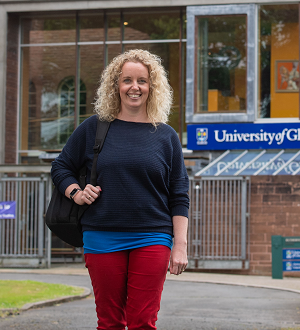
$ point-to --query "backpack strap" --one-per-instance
(102, 129)
(82, 177)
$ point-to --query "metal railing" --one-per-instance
(24, 239)
(218, 233)
(217, 236)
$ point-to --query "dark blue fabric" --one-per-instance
(106, 242)
(140, 170)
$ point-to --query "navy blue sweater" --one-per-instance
(141, 173)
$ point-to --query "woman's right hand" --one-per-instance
(88, 195)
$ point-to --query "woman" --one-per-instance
(141, 200)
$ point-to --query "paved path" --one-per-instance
(288, 283)
(186, 305)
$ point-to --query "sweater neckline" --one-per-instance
(132, 122)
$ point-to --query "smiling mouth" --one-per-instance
(134, 96)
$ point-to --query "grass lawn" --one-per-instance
(15, 294)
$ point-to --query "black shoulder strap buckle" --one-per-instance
(96, 148)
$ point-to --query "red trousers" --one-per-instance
(128, 286)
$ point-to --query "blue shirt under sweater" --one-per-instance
(141, 173)
(97, 242)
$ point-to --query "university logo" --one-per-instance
(288, 254)
(202, 135)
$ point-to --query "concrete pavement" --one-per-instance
(190, 301)
(287, 283)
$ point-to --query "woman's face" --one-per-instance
(134, 87)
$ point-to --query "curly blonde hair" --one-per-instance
(159, 102)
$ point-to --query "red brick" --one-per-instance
(283, 190)
(295, 231)
(277, 216)
(263, 228)
(292, 218)
(254, 190)
(256, 199)
(255, 209)
(266, 190)
(271, 198)
(291, 209)
(284, 179)
(291, 198)
(283, 231)
(280, 219)
(258, 248)
(271, 209)
(296, 188)
(263, 219)
(257, 237)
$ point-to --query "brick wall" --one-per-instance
(275, 210)
(11, 90)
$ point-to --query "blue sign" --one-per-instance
(291, 266)
(8, 210)
(243, 136)
(291, 254)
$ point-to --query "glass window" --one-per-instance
(53, 62)
(279, 61)
(91, 28)
(220, 64)
(113, 50)
(184, 21)
(91, 67)
(43, 70)
(66, 108)
(221, 43)
(113, 26)
(32, 112)
(48, 30)
(149, 25)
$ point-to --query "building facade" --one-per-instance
(234, 69)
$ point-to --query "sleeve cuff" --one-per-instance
(66, 183)
(180, 210)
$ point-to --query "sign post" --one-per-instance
(285, 255)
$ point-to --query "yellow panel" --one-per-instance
(240, 82)
(223, 102)
(212, 100)
(284, 46)
(234, 103)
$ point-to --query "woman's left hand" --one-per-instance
(178, 260)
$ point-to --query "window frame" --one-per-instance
(251, 12)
